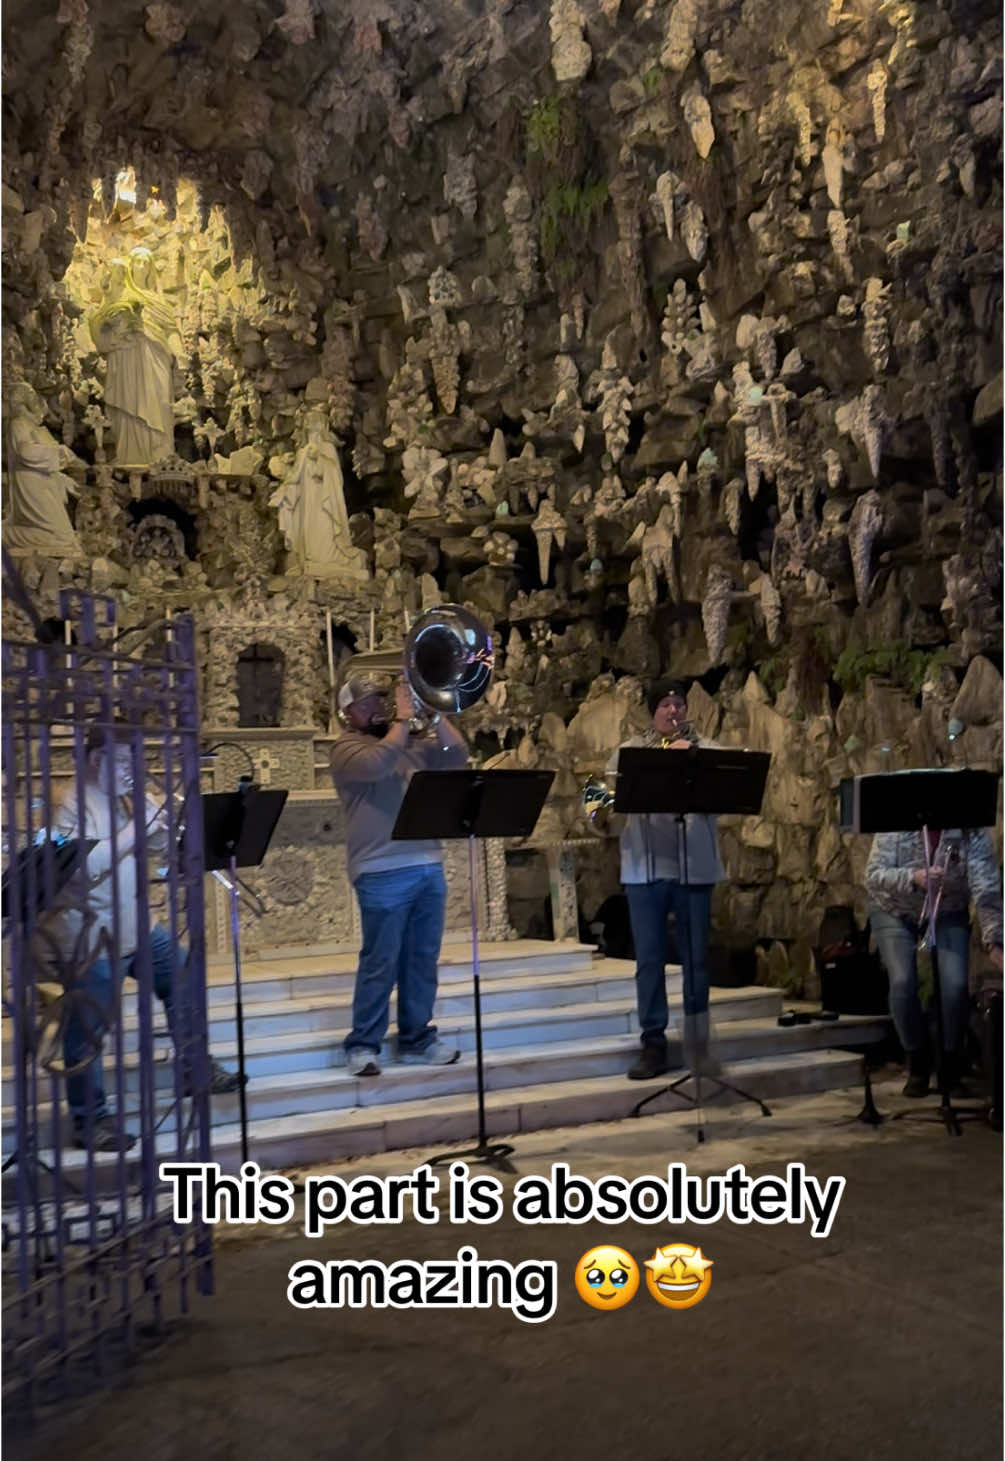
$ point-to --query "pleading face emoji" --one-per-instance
(678, 1276)
(607, 1277)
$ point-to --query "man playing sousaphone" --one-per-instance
(400, 885)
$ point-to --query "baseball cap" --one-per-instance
(358, 686)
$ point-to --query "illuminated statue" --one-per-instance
(135, 330)
(312, 511)
(36, 519)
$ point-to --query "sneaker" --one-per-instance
(106, 1136)
(361, 1061)
(222, 1082)
(650, 1062)
(435, 1054)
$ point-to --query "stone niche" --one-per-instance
(261, 663)
(159, 527)
(260, 674)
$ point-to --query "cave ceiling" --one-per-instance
(337, 92)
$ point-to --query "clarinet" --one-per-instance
(685, 732)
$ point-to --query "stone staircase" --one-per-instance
(559, 1031)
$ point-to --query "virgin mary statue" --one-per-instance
(312, 511)
(135, 330)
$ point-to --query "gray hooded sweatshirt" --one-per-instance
(371, 778)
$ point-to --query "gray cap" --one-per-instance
(358, 686)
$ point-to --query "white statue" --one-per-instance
(135, 330)
(312, 511)
(549, 524)
(36, 520)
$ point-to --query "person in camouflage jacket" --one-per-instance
(963, 870)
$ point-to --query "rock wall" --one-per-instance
(666, 336)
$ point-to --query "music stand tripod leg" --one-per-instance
(869, 1115)
(946, 1112)
(672, 1089)
(491, 1154)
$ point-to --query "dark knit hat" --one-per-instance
(660, 689)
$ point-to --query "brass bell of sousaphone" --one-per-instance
(446, 661)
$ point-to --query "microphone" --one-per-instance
(954, 730)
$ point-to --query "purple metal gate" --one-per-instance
(91, 1259)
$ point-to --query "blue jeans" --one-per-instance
(85, 1028)
(897, 941)
(649, 904)
(402, 912)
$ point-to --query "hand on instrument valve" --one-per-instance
(679, 745)
(920, 876)
(404, 705)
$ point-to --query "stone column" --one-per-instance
(562, 887)
(497, 924)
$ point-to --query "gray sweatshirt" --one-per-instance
(371, 778)
(652, 847)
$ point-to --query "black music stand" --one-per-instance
(447, 805)
(237, 829)
(709, 782)
(922, 801)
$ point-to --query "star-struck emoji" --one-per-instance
(678, 1276)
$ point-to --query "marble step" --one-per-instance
(534, 1003)
(333, 948)
(296, 975)
(329, 1087)
(273, 1053)
(275, 977)
(333, 1011)
(333, 1134)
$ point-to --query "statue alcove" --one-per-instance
(261, 670)
(162, 518)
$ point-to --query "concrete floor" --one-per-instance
(881, 1342)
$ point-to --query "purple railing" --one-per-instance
(92, 1263)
